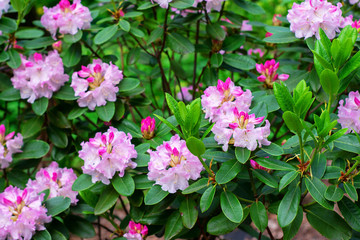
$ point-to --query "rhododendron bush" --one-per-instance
(175, 119)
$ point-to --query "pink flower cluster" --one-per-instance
(66, 17)
(148, 127)
(268, 73)
(58, 180)
(306, 18)
(216, 101)
(106, 154)
(39, 76)
(8, 146)
(136, 231)
(21, 213)
(4, 6)
(349, 114)
(239, 128)
(172, 165)
(256, 51)
(96, 84)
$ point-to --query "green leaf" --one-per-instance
(350, 66)
(57, 205)
(228, 171)
(266, 178)
(155, 195)
(275, 164)
(31, 127)
(231, 206)
(216, 60)
(10, 94)
(242, 154)
(124, 25)
(14, 58)
(72, 56)
(250, 7)
(324, 63)
(38, 43)
(220, 225)
(292, 121)
(207, 198)
(273, 149)
(348, 143)
(137, 32)
(42, 235)
(128, 84)
(291, 230)
(107, 199)
(142, 182)
(351, 191)
(82, 183)
(288, 207)
(259, 216)
(216, 31)
(334, 193)
(65, 93)
(18, 5)
(124, 185)
(351, 213)
(328, 223)
(317, 190)
(79, 226)
(40, 105)
(58, 119)
(106, 112)
(76, 112)
(180, 44)
(105, 34)
(155, 34)
(7, 25)
(58, 137)
(189, 213)
(182, 4)
(283, 97)
(195, 146)
(73, 38)
(33, 149)
(287, 179)
(281, 37)
(196, 186)
(233, 42)
(146, 5)
(56, 235)
(330, 82)
(239, 61)
(173, 225)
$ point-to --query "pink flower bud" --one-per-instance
(37, 57)
(148, 127)
(64, 4)
(97, 68)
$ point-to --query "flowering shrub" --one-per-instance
(181, 119)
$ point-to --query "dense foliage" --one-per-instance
(113, 118)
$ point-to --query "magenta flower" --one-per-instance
(255, 165)
(245, 26)
(356, 24)
(268, 73)
(58, 180)
(21, 213)
(349, 114)
(96, 84)
(217, 100)
(4, 6)
(106, 154)
(8, 146)
(148, 127)
(306, 18)
(256, 51)
(136, 231)
(67, 18)
(57, 46)
(238, 128)
(346, 21)
(268, 34)
(172, 165)
(39, 76)
(185, 91)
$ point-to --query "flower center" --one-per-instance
(16, 211)
(175, 160)
(97, 80)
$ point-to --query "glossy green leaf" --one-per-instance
(242, 154)
(231, 207)
(220, 225)
(79, 226)
(351, 213)
(106, 112)
(275, 164)
(195, 146)
(31, 127)
(155, 195)
(76, 112)
(142, 182)
(33, 149)
(287, 179)
(351, 191)
(40, 106)
(124, 25)
(189, 213)
(216, 31)
(228, 171)
(180, 44)
(39, 43)
(281, 37)
(82, 183)
(283, 97)
(207, 198)
(57, 205)
(317, 190)
(334, 193)
(14, 58)
(216, 60)
(124, 185)
(259, 216)
(42, 235)
(273, 149)
(239, 61)
(73, 38)
(72, 56)
(107, 199)
(58, 137)
(288, 207)
(196, 186)
(173, 225)
(266, 178)
(105, 34)
(291, 230)
(292, 121)
(330, 82)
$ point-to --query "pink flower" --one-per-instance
(275, 20)
(184, 94)
(21, 213)
(58, 180)
(238, 128)
(39, 76)
(349, 114)
(148, 127)
(268, 34)
(172, 165)
(68, 18)
(268, 73)
(4, 6)
(57, 46)
(163, 3)
(255, 165)
(106, 154)
(96, 84)
(356, 24)
(136, 231)
(256, 51)
(217, 100)
(213, 4)
(8, 146)
(245, 26)
(346, 21)
(306, 18)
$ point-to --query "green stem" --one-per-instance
(252, 181)
(352, 168)
(111, 221)
(309, 204)
(301, 149)
(329, 104)
(245, 200)
(206, 167)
